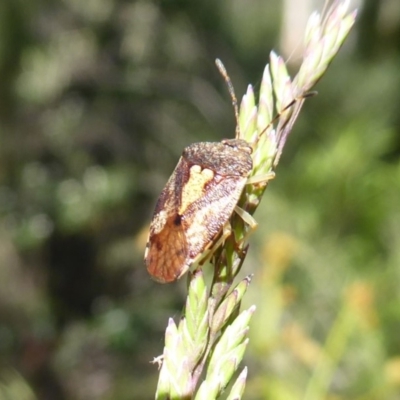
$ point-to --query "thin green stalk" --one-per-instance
(204, 351)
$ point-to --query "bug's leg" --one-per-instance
(249, 220)
(246, 217)
(225, 233)
(260, 178)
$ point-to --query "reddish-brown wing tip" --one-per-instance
(166, 254)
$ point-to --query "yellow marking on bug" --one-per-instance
(194, 188)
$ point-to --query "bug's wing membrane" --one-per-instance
(166, 249)
(166, 257)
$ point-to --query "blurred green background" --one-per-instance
(97, 100)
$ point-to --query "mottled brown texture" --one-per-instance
(195, 204)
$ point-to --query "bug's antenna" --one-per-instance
(227, 79)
